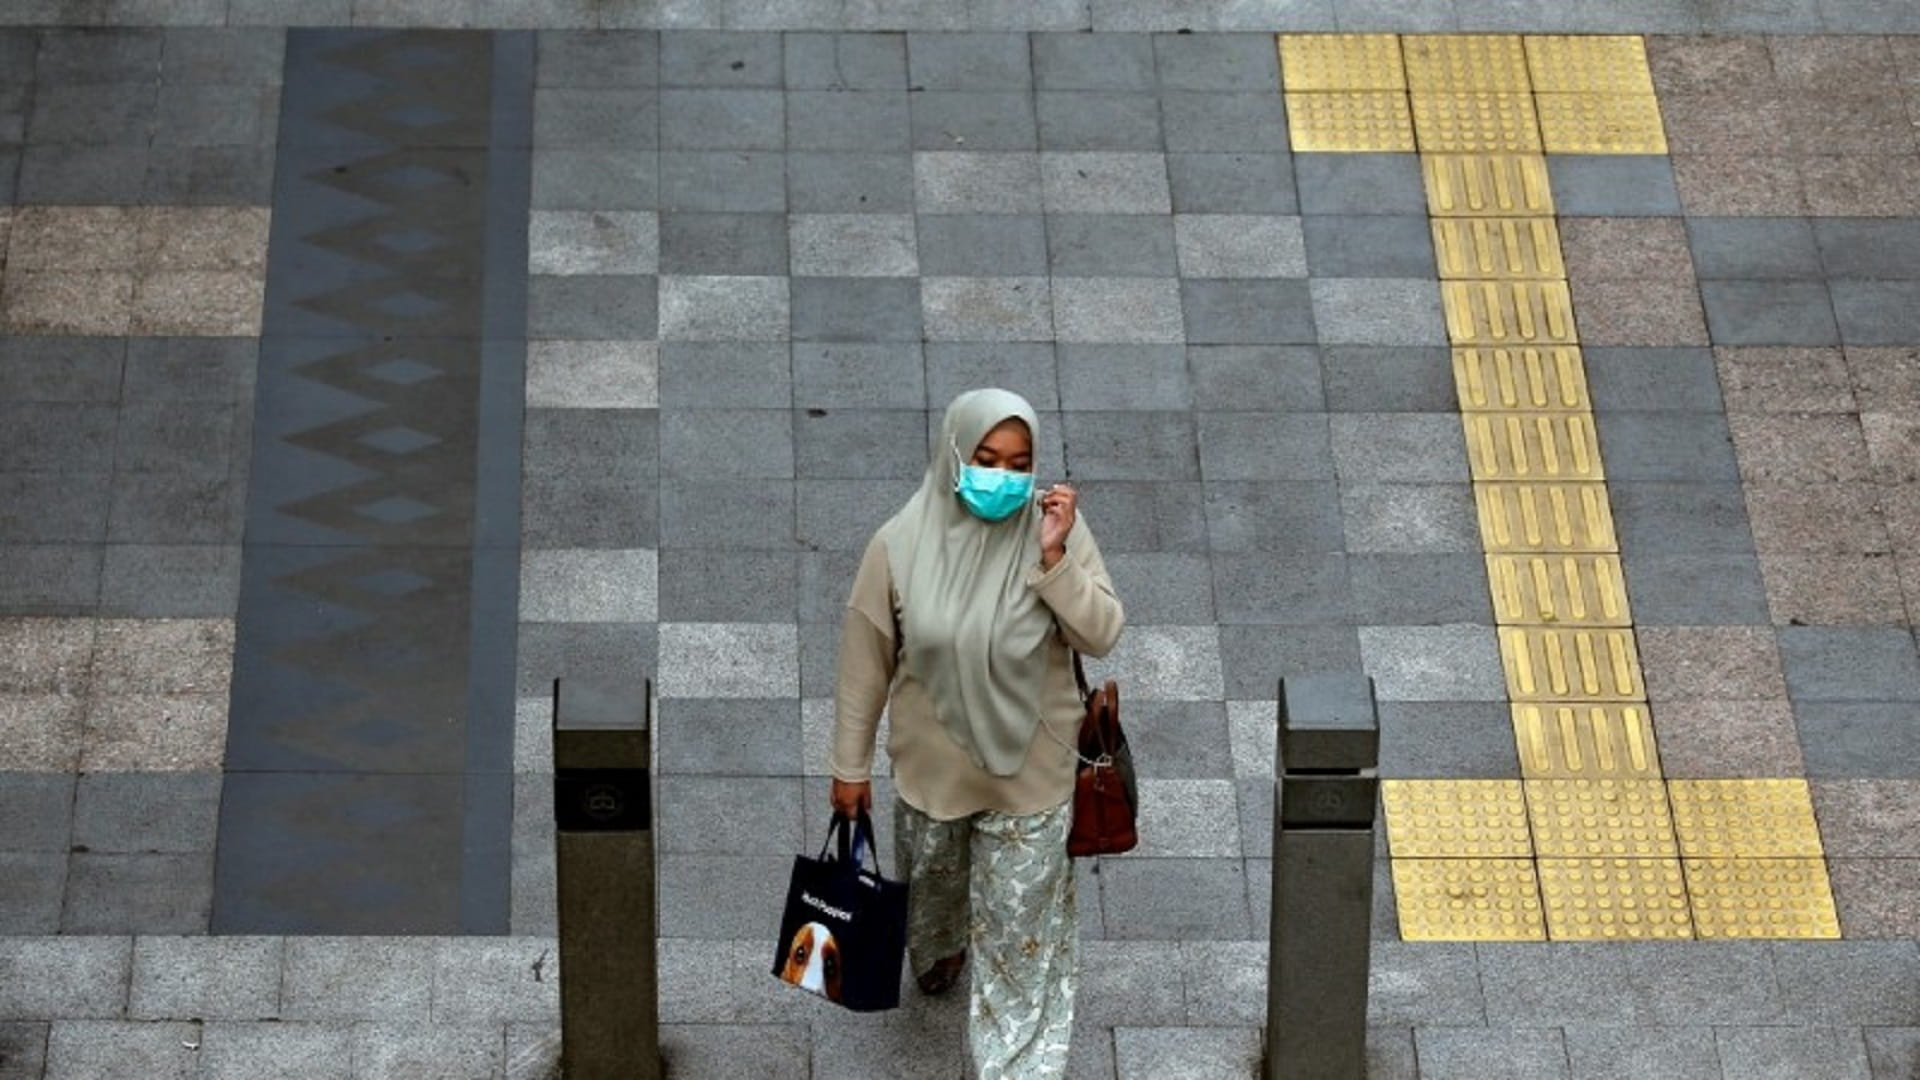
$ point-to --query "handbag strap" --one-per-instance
(854, 837)
(1105, 760)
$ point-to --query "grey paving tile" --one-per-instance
(1177, 1051)
(1232, 183)
(1179, 739)
(1131, 446)
(1774, 313)
(1849, 983)
(67, 978)
(849, 183)
(1893, 1052)
(1144, 516)
(1581, 983)
(569, 242)
(57, 435)
(737, 514)
(1203, 122)
(1123, 377)
(146, 812)
(441, 1052)
(978, 245)
(596, 179)
(207, 978)
(583, 118)
(1776, 1053)
(1859, 739)
(1877, 312)
(1447, 739)
(974, 120)
(1104, 183)
(581, 585)
(860, 120)
(969, 61)
(1112, 310)
(79, 1048)
(738, 444)
(734, 895)
(1397, 448)
(1424, 983)
(774, 1051)
(100, 114)
(977, 183)
(824, 61)
(1263, 378)
(1870, 248)
(1621, 1053)
(1240, 246)
(609, 653)
(51, 578)
(1386, 378)
(1668, 447)
(144, 894)
(81, 175)
(1254, 658)
(61, 369)
(1433, 663)
(1755, 249)
(1409, 518)
(600, 307)
(1283, 517)
(1098, 120)
(171, 508)
(1850, 664)
(1665, 589)
(32, 886)
(1174, 899)
(1680, 519)
(710, 58)
(190, 369)
(36, 811)
(1360, 184)
(1027, 369)
(195, 115)
(713, 307)
(1377, 311)
(718, 375)
(1093, 62)
(80, 55)
(492, 981)
(1369, 246)
(722, 120)
(234, 1050)
(1248, 312)
(54, 507)
(1282, 590)
(707, 243)
(606, 58)
(856, 309)
(1110, 245)
(1652, 380)
(1263, 446)
(850, 376)
(1413, 590)
(987, 309)
(1610, 185)
(23, 1046)
(736, 181)
(1521, 1053)
(860, 443)
(1246, 62)
(203, 175)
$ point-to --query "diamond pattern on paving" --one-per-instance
(1762, 898)
(1539, 378)
(1558, 590)
(1614, 899)
(1719, 819)
(1341, 62)
(1455, 818)
(1600, 818)
(1590, 740)
(1468, 900)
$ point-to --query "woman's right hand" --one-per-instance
(852, 800)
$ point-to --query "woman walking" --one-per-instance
(962, 616)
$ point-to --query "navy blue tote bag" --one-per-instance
(843, 934)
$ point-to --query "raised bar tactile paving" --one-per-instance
(1495, 248)
(1585, 740)
(1571, 665)
(1545, 517)
(1617, 899)
(1455, 818)
(1603, 817)
(1486, 185)
(1762, 898)
(1744, 818)
(1470, 899)
(1532, 446)
(1537, 378)
(1563, 590)
(1508, 312)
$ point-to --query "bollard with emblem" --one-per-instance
(603, 811)
(1328, 747)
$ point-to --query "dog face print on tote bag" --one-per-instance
(813, 961)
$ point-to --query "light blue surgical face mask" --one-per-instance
(992, 494)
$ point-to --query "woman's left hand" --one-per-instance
(1057, 509)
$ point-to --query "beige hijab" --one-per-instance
(973, 632)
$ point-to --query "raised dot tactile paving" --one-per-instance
(1455, 819)
(1341, 62)
(1536, 378)
(1558, 590)
(1603, 817)
(1595, 740)
(1468, 899)
(1744, 818)
(1478, 122)
(1596, 63)
(1466, 62)
(1484, 248)
(1563, 517)
(1525, 447)
(1486, 185)
(1762, 898)
(1614, 899)
(1575, 664)
(1600, 124)
(1349, 121)
(1508, 312)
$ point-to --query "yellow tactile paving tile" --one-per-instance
(1532, 447)
(1508, 312)
(1563, 742)
(1556, 666)
(1475, 122)
(1349, 121)
(1539, 378)
(1341, 62)
(1600, 817)
(1718, 819)
(1495, 248)
(1600, 124)
(1455, 819)
(1558, 590)
(1448, 63)
(1762, 898)
(1486, 185)
(1525, 518)
(1467, 900)
(1614, 899)
(1588, 63)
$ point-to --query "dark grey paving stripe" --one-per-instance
(369, 758)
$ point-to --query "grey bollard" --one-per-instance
(1329, 745)
(603, 818)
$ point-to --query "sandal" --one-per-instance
(940, 978)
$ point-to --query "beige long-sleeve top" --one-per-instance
(932, 772)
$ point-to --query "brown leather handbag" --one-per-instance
(1106, 799)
